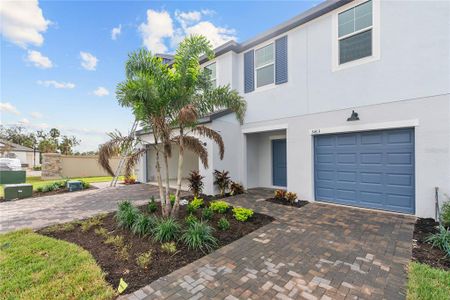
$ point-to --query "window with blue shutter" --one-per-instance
(281, 60)
(249, 72)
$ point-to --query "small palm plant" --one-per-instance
(222, 180)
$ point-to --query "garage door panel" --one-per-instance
(372, 169)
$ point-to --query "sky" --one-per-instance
(60, 61)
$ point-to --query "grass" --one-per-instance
(426, 282)
(33, 266)
(36, 181)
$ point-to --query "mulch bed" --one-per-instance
(162, 262)
(423, 252)
(298, 204)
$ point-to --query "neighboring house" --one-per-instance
(28, 157)
(388, 61)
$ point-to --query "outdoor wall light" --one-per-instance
(353, 117)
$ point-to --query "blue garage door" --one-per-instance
(373, 169)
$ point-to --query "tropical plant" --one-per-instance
(172, 199)
(195, 183)
(223, 224)
(142, 225)
(222, 180)
(441, 240)
(168, 100)
(166, 230)
(280, 194)
(126, 214)
(236, 188)
(242, 214)
(169, 247)
(151, 206)
(207, 213)
(84, 184)
(196, 202)
(291, 197)
(219, 206)
(199, 236)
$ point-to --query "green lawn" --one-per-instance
(33, 266)
(427, 283)
(37, 181)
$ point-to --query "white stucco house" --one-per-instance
(348, 103)
(28, 157)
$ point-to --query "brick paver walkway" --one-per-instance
(43, 211)
(317, 252)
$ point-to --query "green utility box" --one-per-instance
(18, 191)
(10, 177)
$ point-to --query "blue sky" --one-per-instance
(46, 83)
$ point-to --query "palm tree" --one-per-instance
(196, 96)
(169, 100)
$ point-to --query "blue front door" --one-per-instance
(373, 169)
(279, 176)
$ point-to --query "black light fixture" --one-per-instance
(353, 117)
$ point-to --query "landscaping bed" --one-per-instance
(423, 252)
(298, 204)
(121, 261)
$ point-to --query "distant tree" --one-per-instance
(67, 144)
(18, 135)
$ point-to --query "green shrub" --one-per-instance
(40, 189)
(85, 184)
(142, 225)
(116, 241)
(172, 199)
(199, 236)
(219, 206)
(196, 202)
(223, 224)
(441, 240)
(89, 223)
(126, 214)
(190, 219)
(144, 259)
(445, 214)
(207, 213)
(101, 232)
(242, 214)
(169, 247)
(151, 206)
(166, 230)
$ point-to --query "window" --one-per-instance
(265, 65)
(355, 33)
(211, 69)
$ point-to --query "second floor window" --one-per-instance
(265, 65)
(355, 33)
(211, 69)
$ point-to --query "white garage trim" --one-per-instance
(365, 127)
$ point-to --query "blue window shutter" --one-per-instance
(249, 72)
(281, 60)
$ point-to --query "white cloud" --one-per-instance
(88, 61)
(56, 84)
(23, 22)
(160, 29)
(101, 92)
(36, 115)
(116, 31)
(24, 121)
(159, 26)
(39, 60)
(8, 108)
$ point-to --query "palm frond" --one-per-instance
(187, 115)
(196, 146)
(213, 135)
(105, 152)
(132, 160)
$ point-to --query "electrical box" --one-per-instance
(74, 185)
(18, 191)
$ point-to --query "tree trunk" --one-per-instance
(163, 198)
(166, 164)
(176, 206)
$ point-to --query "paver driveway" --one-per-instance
(47, 210)
(317, 252)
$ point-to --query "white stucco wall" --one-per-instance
(429, 116)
